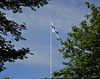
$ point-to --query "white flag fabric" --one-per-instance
(54, 30)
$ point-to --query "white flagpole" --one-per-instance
(50, 50)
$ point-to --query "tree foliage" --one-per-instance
(16, 5)
(8, 53)
(83, 48)
(5, 77)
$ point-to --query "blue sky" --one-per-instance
(63, 13)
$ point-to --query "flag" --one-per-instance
(54, 30)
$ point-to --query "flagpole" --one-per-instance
(50, 50)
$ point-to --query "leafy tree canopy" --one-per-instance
(7, 51)
(5, 77)
(83, 48)
(16, 5)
